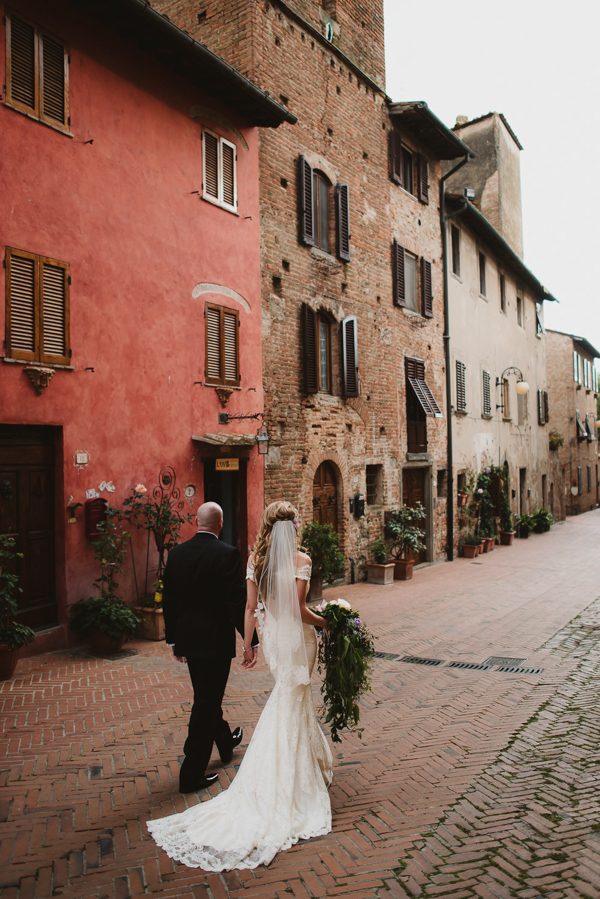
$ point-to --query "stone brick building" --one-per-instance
(351, 273)
(573, 394)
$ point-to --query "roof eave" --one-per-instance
(432, 132)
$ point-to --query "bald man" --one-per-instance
(204, 600)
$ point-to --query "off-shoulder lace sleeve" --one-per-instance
(250, 573)
(304, 571)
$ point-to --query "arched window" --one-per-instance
(322, 209)
(325, 495)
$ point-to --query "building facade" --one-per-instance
(132, 284)
(573, 390)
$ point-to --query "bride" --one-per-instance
(279, 795)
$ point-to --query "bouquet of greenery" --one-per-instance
(345, 654)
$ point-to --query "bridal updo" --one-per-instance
(280, 510)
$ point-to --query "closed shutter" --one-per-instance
(487, 394)
(398, 274)
(230, 347)
(53, 81)
(546, 407)
(21, 64)
(540, 407)
(305, 202)
(308, 323)
(213, 344)
(342, 197)
(21, 305)
(423, 176)
(211, 165)
(461, 387)
(350, 356)
(426, 290)
(54, 312)
(394, 156)
(228, 160)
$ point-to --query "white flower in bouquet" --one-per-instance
(342, 603)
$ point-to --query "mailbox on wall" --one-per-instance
(95, 514)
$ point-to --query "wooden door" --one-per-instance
(414, 491)
(325, 496)
(228, 489)
(27, 514)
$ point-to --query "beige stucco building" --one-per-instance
(573, 394)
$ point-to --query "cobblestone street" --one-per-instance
(470, 779)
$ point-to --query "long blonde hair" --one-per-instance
(280, 510)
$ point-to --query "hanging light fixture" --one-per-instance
(262, 440)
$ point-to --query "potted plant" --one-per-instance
(13, 635)
(105, 618)
(151, 615)
(486, 514)
(542, 520)
(523, 524)
(406, 537)
(380, 571)
(322, 544)
(506, 518)
(470, 546)
(555, 440)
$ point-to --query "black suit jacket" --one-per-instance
(204, 597)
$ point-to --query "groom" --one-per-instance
(204, 597)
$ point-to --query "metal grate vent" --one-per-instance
(387, 655)
(502, 660)
(516, 669)
(471, 666)
(417, 660)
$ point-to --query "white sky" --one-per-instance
(537, 61)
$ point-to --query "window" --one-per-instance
(506, 400)
(502, 293)
(324, 354)
(317, 212)
(406, 276)
(461, 387)
(587, 374)
(579, 480)
(589, 426)
(37, 308)
(455, 242)
(374, 485)
(442, 483)
(482, 286)
(539, 321)
(522, 408)
(219, 183)
(580, 426)
(408, 169)
(37, 73)
(519, 310)
(317, 350)
(486, 395)
(576, 367)
(542, 407)
(420, 403)
(222, 345)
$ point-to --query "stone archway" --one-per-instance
(325, 495)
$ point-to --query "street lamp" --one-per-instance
(522, 386)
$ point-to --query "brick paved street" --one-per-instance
(469, 780)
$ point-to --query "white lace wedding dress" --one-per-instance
(279, 795)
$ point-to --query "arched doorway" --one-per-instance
(325, 495)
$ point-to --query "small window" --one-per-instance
(522, 408)
(461, 387)
(324, 353)
(486, 395)
(589, 478)
(442, 483)
(482, 284)
(410, 277)
(502, 293)
(408, 169)
(519, 310)
(579, 480)
(374, 485)
(539, 320)
(219, 171)
(37, 73)
(319, 216)
(455, 241)
(406, 281)
(37, 308)
(587, 374)
(222, 346)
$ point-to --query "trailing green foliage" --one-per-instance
(12, 633)
(542, 520)
(404, 533)
(345, 655)
(323, 546)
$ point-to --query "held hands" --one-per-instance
(250, 657)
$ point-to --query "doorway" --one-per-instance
(414, 490)
(325, 495)
(225, 484)
(522, 491)
(27, 513)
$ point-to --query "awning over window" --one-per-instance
(415, 375)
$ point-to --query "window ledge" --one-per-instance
(418, 457)
(487, 417)
(456, 277)
(62, 129)
(461, 412)
(214, 202)
(323, 256)
(35, 362)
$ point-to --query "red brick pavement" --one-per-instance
(422, 804)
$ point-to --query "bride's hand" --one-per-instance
(250, 658)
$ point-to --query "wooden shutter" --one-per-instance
(53, 81)
(350, 356)
(540, 406)
(426, 291)
(21, 64)
(394, 156)
(342, 207)
(212, 316)
(461, 387)
(21, 305)
(415, 375)
(54, 312)
(228, 173)
(211, 165)
(230, 347)
(546, 408)
(222, 346)
(308, 322)
(398, 274)
(305, 202)
(423, 178)
(487, 394)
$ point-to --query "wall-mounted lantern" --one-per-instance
(262, 435)
(522, 386)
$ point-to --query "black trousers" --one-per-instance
(207, 725)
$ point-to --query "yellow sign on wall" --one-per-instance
(227, 464)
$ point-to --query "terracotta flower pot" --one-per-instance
(105, 645)
(470, 551)
(491, 542)
(8, 661)
(152, 623)
(403, 569)
(506, 538)
(484, 546)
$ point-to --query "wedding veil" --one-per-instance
(282, 637)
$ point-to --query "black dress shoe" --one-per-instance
(201, 784)
(236, 738)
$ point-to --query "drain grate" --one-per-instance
(393, 656)
(517, 669)
(417, 660)
(502, 660)
(470, 666)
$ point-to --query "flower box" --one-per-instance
(380, 573)
(152, 624)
